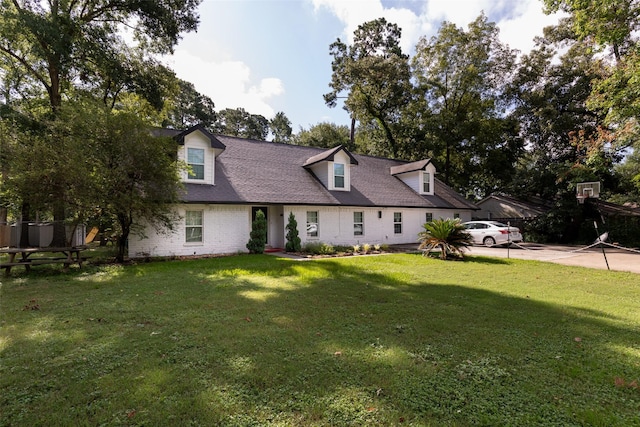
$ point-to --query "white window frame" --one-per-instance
(191, 164)
(397, 222)
(194, 226)
(313, 228)
(426, 180)
(336, 176)
(357, 223)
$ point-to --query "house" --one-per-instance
(337, 197)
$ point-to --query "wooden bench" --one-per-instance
(71, 256)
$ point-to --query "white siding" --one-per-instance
(414, 179)
(340, 157)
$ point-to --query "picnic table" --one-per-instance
(21, 256)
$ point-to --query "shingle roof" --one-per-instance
(410, 167)
(259, 172)
(328, 156)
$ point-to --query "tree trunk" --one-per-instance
(125, 226)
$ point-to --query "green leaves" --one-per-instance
(448, 235)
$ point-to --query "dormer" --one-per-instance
(418, 175)
(333, 168)
(199, 149)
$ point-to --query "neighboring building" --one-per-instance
(337, 197)
(501, 208)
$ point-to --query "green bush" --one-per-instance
(258, 236)
(318, 248)
(293, 240)
(448, 235)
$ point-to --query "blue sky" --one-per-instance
(268, 56)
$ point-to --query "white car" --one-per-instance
(490, 233)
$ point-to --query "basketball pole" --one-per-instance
(595, 224)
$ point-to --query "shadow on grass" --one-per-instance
(262, 340)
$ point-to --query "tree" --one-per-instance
(60, 47)
(462, 77)
(59, 42)
(280, 127)
(240, 123)
(190, 108)
(448, 235)
(108, 163)
(613, 23)
(258, 235)
(375, 75)
(293, 240)
(138, 177)
(324, 135)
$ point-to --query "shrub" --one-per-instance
(356, 248)
(366, 248)
(318, 248)
(258, 236)
(448, 235)
(293, 240)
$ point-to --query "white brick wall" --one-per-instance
(226, 228)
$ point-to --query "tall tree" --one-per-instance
(323, 135)
(59, 45)
(280, 127)
(189, 108)
(239, 122)
(138, 177)
(462, 77)
(613, 25)
(58, 42)
(374, 75)
(107, 162)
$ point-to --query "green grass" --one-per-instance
(383, 340)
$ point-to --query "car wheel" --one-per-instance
(489, 241)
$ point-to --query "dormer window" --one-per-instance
(426, 182)
(338, 175)
(417, 175)
(195, 160)
(333, 168)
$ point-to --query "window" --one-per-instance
(429, 217)
(426, 182)
(358, 223)
(312, 223)
(195, 160)
(397, 222)
(456, 215)
(193, 222)
(338, 175)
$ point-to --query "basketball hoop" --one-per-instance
(587, 190)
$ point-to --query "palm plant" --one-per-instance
(448, 235)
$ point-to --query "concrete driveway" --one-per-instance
(618, 259)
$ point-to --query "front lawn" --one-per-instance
(380, 340)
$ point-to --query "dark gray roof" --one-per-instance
(328, 156)
(410, 167)
(259, 172)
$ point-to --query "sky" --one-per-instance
(268, 56)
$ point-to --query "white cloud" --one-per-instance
(519, 21)
(228, 83)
